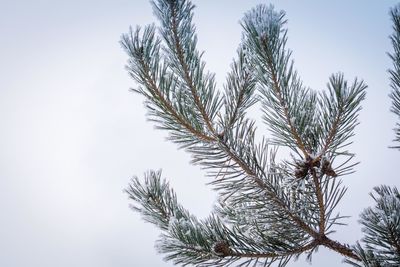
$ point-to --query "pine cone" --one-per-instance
(221, 248)
(316, 163)
(301, 172)
(302, 168)
(327, 168)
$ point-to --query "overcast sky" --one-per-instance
(72, 134)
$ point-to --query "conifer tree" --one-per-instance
(268, 212)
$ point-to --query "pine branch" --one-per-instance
(297, 198)
(150, 83)
(381, 226)
(283, 91)
(187, 240)
(145, 68)
(239, 90)
(179, 35)
(229, 152)
(395, 72)
(290, 109)
(340, 108)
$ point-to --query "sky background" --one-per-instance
(72, 134)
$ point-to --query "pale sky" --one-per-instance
(72, 134)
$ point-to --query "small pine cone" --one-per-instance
(316, 163)
(327, 168)
(301, 172)
(221, 248)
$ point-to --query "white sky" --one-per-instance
(72, 134)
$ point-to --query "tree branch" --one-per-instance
(336, 246)
(331, 135)
(299, 250)
(187, 76)
(320, 199)
(278, 92)
(150, 82)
